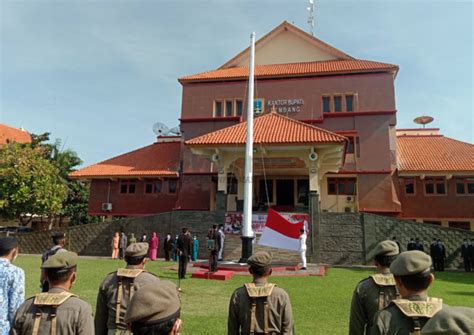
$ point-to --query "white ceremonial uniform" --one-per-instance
(303, 249)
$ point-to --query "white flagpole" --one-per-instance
(247, 233)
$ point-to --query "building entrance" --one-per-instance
(285, 192)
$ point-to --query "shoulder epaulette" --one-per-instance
(383, 279)
(426, 308)
(52, 299)
(259, 291)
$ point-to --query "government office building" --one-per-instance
(324, 131)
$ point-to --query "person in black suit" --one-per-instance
(419, 245)
(411, 245)
(466, 255)
(184, 249)
(433, 254)
(440, 252)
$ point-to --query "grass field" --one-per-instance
(320, 304)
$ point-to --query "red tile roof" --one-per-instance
(434, 153)
(10, 134)
(293, 70)
(156, 160)
(270, 128)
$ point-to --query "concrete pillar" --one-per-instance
(222, 179)
(315, 240)
(221, 206)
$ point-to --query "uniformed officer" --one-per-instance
(57, 311)
(451, 321)
(408, 315)
(155, 309)
(260, 307)
(59, 241)
(118, 288)
(374, 293)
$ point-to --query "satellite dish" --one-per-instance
(424, 120)
(160, 129)
(175, 130)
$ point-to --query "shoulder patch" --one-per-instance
(129, 273)
(259, 291)
(52, 299)
(426, 308)
(383, 279)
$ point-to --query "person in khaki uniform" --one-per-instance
(374, 293)
(451, 321)
(260, 307)
(155, 309)
(409, 314)
(57, 311)
(118, 288)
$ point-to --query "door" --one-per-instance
(285, 192)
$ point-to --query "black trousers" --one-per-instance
(183, 263)
(167, 255)
(467, 264)
(122, 253)
(213, 261)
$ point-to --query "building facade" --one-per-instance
(325, 125)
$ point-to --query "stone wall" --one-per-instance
(377, 228)
(345, 238)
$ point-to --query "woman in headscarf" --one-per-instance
(115, 245)
(153, 246)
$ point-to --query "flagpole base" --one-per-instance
(247, 247)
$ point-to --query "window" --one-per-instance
(303, 191)
(153, 186)
(217, 108)
(338, 103)
(326, 104)
(464, 185)
(265, 189)
(341, 186)
(231, 185)
(349, 103)
(229, 108)
(459, 225)
(239, 107)
(172, 186)
(409, 185)
(127, 186)
(436, 223)
(350, 145)
(435, 186)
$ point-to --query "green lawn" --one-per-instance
(320, 304)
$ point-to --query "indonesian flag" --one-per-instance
(281, 233)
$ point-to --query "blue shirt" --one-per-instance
(12, 293)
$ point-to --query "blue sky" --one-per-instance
(98, 74)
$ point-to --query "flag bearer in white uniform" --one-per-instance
(303, 249)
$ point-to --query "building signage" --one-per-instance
(286, 105)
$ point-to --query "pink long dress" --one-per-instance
(153, 247)
(115, 246)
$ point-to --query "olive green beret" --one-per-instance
(452, 321)
(410, 263)
(62, 260)
(260, 259)
(154, 303)
(386, 248)
(137, 249)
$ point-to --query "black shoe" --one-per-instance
(303, 269)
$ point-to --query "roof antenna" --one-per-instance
(310, 9)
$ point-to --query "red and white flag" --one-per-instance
(280, 232)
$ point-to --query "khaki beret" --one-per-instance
(260, 259)
(62, 260)
(154, 303)
(410, 263)
(452, 321)
(386, 248)
(137, 249)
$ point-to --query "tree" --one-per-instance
(29, 184)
